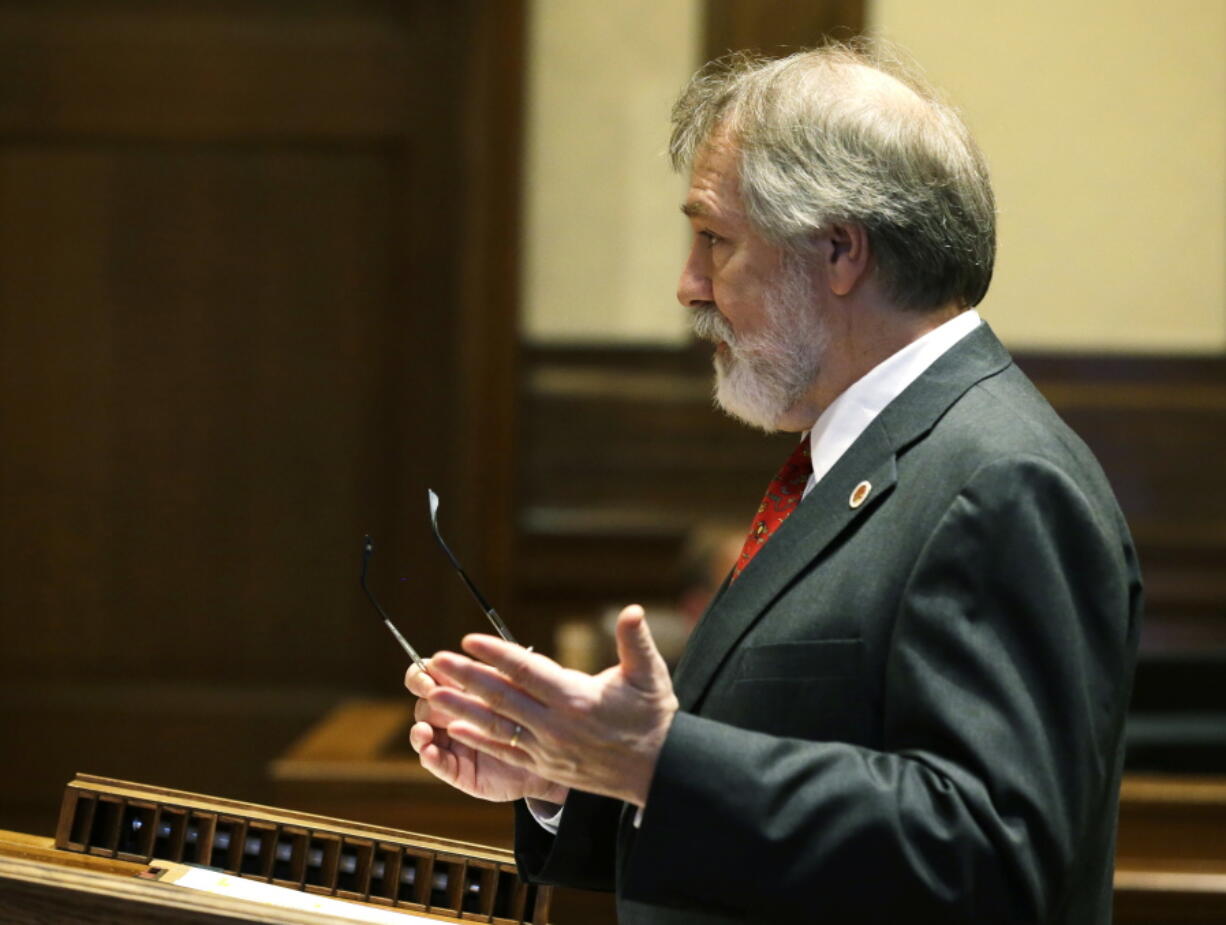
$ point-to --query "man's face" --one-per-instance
(751, 298)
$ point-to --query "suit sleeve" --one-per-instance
(1005, 684)
(581, 854)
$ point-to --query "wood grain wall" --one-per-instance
(624, 454)
(257, 279)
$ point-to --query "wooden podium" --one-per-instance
(123, 852)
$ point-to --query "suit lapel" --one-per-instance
(818, 520)
(827, 512)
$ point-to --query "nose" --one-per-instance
(694, 286)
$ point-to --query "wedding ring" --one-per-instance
(515, 736)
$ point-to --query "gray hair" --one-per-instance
(840, 134)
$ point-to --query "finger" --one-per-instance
(421, 735)
(446, 669)
(424, 712)
(475, 738)
(467, 709)
(418, 682)
(541, 677)
(488, 684)
(640, 660)
(425, 739)
(438, 760)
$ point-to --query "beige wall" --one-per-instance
(1104, 124)
(1105, 127)
(603, 237)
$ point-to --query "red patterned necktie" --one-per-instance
(781, 498)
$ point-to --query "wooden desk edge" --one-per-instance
(43, 875)
(1171, 881)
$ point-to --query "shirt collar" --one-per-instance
(850, 414)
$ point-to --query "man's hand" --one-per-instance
(600, 733)
(461, 766)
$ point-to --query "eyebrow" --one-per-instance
(695, 210)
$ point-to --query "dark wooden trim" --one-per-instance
(191, 73)
(666, 461)
(266, 297)
(777, 27)
(488, 335)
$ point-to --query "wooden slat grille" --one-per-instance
(350, 860)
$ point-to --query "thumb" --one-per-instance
(641, 662)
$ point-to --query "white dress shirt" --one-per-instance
(849, 415)
(838, 427)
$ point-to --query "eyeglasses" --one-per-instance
(490, 612)
(368, 550)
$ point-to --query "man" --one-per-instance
(907, 702)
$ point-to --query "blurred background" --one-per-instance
(269, 271)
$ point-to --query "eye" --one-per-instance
(710, 237)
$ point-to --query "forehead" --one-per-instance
(715, 189)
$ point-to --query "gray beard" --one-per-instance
(760, 377)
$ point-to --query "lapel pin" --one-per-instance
(859, 493)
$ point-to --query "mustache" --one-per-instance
(708, 324)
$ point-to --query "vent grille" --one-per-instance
(134, 822)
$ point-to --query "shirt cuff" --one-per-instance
(548, 815)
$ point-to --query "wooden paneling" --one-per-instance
(486, 393)
(198, 396)
(257, 275)
(1171, 822)
(1158, 426)
(182, 69)
(1170, 861)
(777, 27)
(624, 454)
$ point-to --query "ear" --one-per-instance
(846, 252)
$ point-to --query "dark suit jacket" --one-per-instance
(908, 711)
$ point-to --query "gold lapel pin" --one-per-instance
(859, 493)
